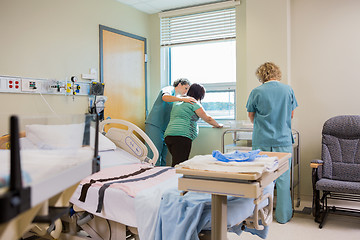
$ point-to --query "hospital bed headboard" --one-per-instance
(127, 140)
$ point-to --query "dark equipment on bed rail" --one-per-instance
(17, 199)
(96, 159)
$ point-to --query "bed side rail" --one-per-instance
(127, 140)
(265, 213)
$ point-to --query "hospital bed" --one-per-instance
(38, 181)
(152, 209)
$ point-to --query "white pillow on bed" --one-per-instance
(25, 143)
(105, 144)
(67, 136)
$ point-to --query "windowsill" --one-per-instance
(232, 124)
(206, 125)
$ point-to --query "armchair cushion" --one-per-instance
(338, 186)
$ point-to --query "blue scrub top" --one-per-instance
(273, 103)
(159, 115)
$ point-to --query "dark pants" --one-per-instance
(179, 147)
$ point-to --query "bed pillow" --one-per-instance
(67, 136)
(25, 143)
(105, 144)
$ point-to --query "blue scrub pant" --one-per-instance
(283, 211)
(157, 136)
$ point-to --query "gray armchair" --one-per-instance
(337, 174)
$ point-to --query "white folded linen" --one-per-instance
(208, 162)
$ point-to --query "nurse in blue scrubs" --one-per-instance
(271, 107)
(159, 116)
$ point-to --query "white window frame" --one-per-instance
(226, 33)
(220, 87)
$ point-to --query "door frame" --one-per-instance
(101, 29)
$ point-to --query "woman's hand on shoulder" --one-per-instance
(188, 99)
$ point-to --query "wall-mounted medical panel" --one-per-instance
(9, 84)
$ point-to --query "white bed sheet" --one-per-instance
(119, 211)
(142, 210)
(116, 157)
(50, 171)
(118, 206)
(124, 211)
(40, 166)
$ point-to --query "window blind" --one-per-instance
(198, 27)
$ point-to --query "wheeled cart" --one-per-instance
(241, 140)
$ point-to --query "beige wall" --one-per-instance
(57, 39)
(154, 57)
(325, 65)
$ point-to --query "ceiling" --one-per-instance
(156, 6)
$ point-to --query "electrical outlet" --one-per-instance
(30, 85)
(10, 84)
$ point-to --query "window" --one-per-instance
(212, 65)
(201, 47)
(220, 104)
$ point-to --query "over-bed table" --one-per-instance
(221, 184)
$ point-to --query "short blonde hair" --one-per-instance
(268, 71)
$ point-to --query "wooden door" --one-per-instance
(123, 70)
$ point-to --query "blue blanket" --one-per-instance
(237, 156)
(5, 179)
(183, 217)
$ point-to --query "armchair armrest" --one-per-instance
(316, 163)
(316, 173)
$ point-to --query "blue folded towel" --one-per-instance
(236, 156)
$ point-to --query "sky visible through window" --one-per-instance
(204, 63)
(208, 63)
